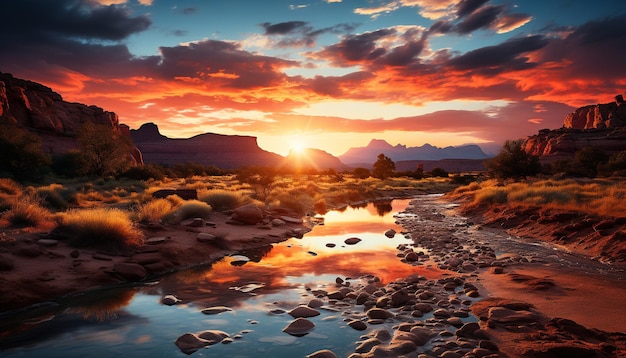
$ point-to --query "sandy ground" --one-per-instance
(34, 272)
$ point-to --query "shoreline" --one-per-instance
(502, 280)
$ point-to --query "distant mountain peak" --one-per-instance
(368, 154)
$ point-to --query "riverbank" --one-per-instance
(39, 267)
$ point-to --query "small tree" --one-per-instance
(384, 167)
(104, 152)
(20, 152)
(513, 161)
(589, 159)
(361, 173)
(261, 179)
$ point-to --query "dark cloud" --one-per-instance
(299, 33)
(504, 55)
(479, 19)
(466, 7)
(283, 28)
(608, 29)
(223, 62)
(357, 48)
(69, 19)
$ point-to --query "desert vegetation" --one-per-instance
(601, 197)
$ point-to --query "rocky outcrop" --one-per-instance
(39, 109)
(601, 126)
(219, 150)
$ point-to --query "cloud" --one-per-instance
(504, 56)
(466, 7)
(283, 28)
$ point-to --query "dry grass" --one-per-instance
(27, 211)
(100, 227)
(189, 209)
(603, 197)
(155, 210)
(221, 200)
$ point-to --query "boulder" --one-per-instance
(303, 311)
(248, 214)
(299, 327)
(130, 271)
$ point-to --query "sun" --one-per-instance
(297, 145)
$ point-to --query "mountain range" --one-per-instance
(367, 155)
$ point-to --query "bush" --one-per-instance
(21, 154)
(513, 162)
(27, 211)
(221, 200)
(110, 228)
(155, 210)
(145, 172)
(190, 209)
(491, 195)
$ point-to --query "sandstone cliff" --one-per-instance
(602, 126)
(222, 151)
(39, 109)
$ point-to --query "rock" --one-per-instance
(330, 244)
(411, 256)
(147, 258)
(292, 220)
(352, 241)
(248, 214)
(390, 233)
(400, 298)
(188, 343)
(315, 303)
(48, 242)
(303, 311)
(278, 222)
(299, 327)
(169, 300)
(467, 330)
(421, 335)
(130, 271)
(213, 336)
(205, 237)
(156, 240)
(324, 353)
(442, 313)
(74, 254)
(196, 222)
(378, 313)
(367, 345)
(509, 317)
(358, 325)
(216, 310)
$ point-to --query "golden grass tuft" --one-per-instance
(155, 210)
(189, 209)
(222, 200)
(27, 211)
(100, 227)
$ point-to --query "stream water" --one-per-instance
(132, 321)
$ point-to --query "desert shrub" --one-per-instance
(20, 153)
(101, 227)
(296, 202)
(155, 210)
(439, 172)
(189, 209)
(10, 187)
(55, 196)
(144, 172)
(27, 211)
(513, 162)
(467, 188)
(221, 200)
(491, 195)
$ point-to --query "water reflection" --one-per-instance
(280, 275)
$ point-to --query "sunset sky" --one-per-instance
(327, 74)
